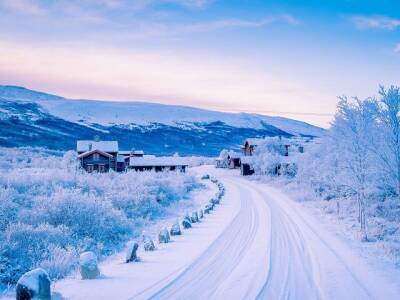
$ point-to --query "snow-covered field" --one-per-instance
(50, 211)
(258, 243)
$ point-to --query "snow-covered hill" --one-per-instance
(12, 92)
(109, 113)
(30, 118)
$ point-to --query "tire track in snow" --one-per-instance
(202, 278)
(289, 275)
(292, 261)
(300, 262)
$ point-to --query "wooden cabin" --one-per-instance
(98, 156)
(158, 164)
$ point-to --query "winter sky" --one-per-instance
(290, 57)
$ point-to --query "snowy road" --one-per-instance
(239, 250)
(266, 247)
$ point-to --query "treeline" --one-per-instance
(357, 160)
(360, 155)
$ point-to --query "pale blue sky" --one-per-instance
(288, 57)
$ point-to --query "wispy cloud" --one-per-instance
(146, 3)
(28, 7)
(378, 22)
(92, 11)
(238, 23)
(148, 29)
(188, 3)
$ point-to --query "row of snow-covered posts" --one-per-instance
(164, 236)
(35, 284)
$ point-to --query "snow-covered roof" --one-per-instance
(106, 146)
(84, 154)
(161, 161)
(129, 152)
(234, 154)
(254, 141)
(124, 152)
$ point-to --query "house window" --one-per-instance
(96, 156)
(90, 168)
(102, 169)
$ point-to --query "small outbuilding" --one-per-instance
(246, 168)
(158, 163)
(234, 160)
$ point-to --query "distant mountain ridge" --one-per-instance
(13, 92)
(31, 118)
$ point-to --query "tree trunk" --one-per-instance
(364, 237)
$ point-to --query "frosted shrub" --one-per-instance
(50, 210)
(269, 155)
(24, 246)
(8, 208)
(60, 261)
(85, 215)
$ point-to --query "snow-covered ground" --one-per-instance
(257, 244)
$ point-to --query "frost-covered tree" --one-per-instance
(388, 146)
(319, 168)
(356, 164)
(223, 158)
(352, 132)
(268, 155)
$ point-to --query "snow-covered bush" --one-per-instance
(25, 246)
(270, 158)
(50, 210)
